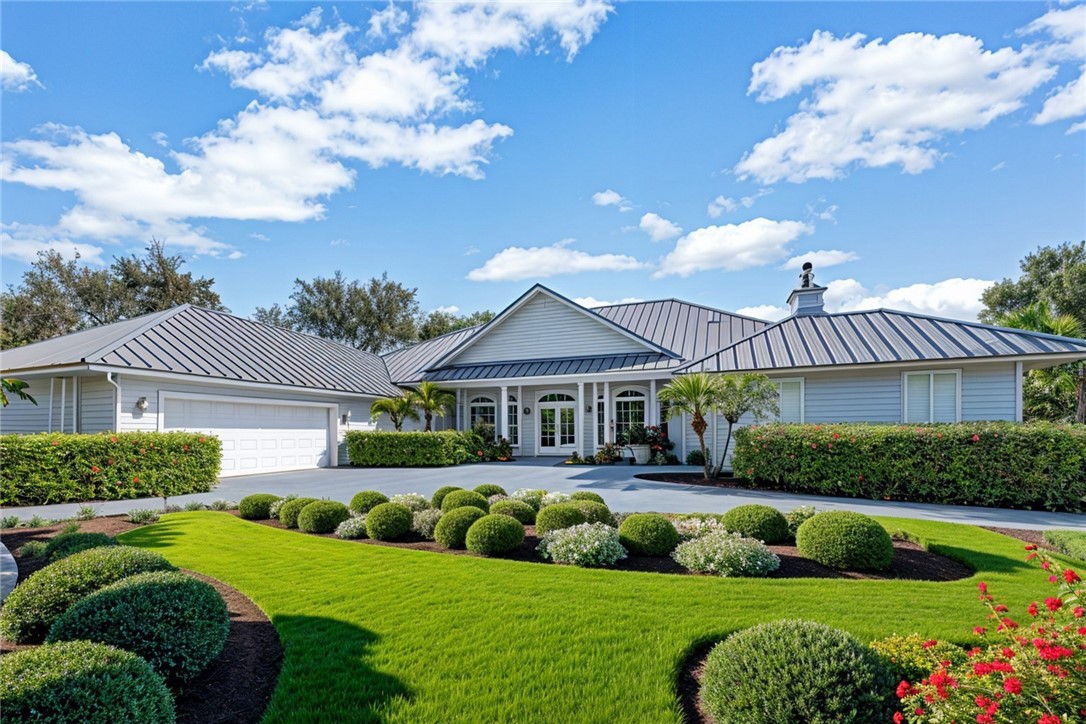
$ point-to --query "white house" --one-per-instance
(551, 375)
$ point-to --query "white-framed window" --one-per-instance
(601, 421)
(481, 409)
(791, 399)
(934, 396)
(629, 410)
(512, 421)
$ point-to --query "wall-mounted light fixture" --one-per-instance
(527, 410)
(588, 407)
(142, 404)
(346, 418)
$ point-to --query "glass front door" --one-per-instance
(557, 425)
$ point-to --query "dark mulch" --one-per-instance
(1036, 537)
(238, 685)
(689, 685)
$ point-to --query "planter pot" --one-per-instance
(641, 453)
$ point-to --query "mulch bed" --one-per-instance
(238, 685)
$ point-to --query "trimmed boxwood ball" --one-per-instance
(322, 516)
(587, 495)
(66, 544)
(81, 681)
(488, 489)
(557, 517)
(440, 493)
(37, 602)
(494, 534)
(648, 534)
(759, 522)
(389, 521)
(366, 501)
(452, 530)
(846, 540)
(177, 623)
(795, 671)
(289, 511)
(593, 512)
(515, 508)
(462, 498)
(257, 506)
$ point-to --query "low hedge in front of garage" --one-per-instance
(999, 464)
(407, 449)
(61, 468)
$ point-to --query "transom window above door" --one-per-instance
(556, 397)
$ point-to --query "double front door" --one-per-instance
(557, 424)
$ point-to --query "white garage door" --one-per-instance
(256, 438)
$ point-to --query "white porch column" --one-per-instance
(607, 412)
(579, 434)
(1018, 391)
(63, 400)
(520, 416)
(501, 413)
(682, 438)
(595, 412)
(654, 407)
(459, 420)
(52, 384)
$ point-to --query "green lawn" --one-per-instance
(374, 633)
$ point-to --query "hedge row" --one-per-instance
(408, 449)
(1001, 464)
(62, 468)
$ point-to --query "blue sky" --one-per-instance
(914, 152)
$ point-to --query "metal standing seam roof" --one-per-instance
(195, 341)
(406, 365)
(876, 337)
(688, 330)
(551, 367)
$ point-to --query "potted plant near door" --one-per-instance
(636, 438)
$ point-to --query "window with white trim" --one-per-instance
(791, 400)
(629, 410)
(932, 396)
(512, 432)
(481, 409)
(601, 421)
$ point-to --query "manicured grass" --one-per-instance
(1071, 542)
(383, 634)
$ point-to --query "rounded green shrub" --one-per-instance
(796, 671)
(462, 498)
(588, 495)
(648, 534)
(389, 521)
(488, 489)
(845, 540)
(289, 511)
(177, 623)
(322, 516)
(494, 534)
(257, 506)
(366, 501)
(81, 681)
(37, 602)
(440, 493)
(910, 657)
(515, 508)
(557, 517)
(452, 530)
(66, 544)
(759, 522)
(593, 512)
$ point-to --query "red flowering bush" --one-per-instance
(1030, 669)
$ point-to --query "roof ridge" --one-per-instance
(156, 319)
(431, 339)
(682, 301)
(978, 324)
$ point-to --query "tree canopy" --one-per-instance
(58, 296)
(1054, 275)
(439, 322)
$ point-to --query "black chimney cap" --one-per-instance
(807, 266)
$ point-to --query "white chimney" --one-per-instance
(807, 297)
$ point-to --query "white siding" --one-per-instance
(853, 396)
(545, 327)
(988, 392)
(25, 417)
(96, 405)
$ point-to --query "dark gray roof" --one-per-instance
(551, 367)
(688, 330)
(876, 337)
(195, 341)
(406, 365)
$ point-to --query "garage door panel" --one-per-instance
(255, 437)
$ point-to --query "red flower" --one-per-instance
(1000, 608)
(1031, 547)
(1079, 611)
(1012, 686)
(1032, 609)
(203, 439)
(979, 630)
(898, 717)
(1070, 576)
(836, 436)
(135, 480)
(1053, 604)
(813, 445)
(109, 462)
(94, 468)
(113, 439)
(479, 453)
(976, 438)
(143, 451)
(929, 643)
(983, 587)
(56, 442)
(905, 689)
(1049, 719)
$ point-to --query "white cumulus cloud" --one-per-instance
(659, 228)
(611, 198)
(768, 312)
(16, 77)
(821, 259)
(732, 247)
(592, 302)
(721, 205)
(955, 298)
(538, 262)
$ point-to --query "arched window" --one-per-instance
(629, 410)
(556, 397)
(513, 421)
(481, 410)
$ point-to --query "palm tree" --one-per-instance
(741, 394)
(696, 395)
(1051, 394)
(432, 400)
(17, 388)
(399, 410)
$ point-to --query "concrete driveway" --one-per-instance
(616, 483)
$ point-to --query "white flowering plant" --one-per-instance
(693, 527)
(413, 501)
(424, 522)
(589, 545)
(352, 528)
(273, 509)
(531, 496)
(554, 499)
(726, 554)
